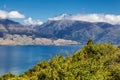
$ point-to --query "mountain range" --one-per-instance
(80, 31)
(74, 30)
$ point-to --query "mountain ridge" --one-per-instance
(75, 30)
(80, 31)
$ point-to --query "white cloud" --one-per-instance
(3, 14)
(15, 14)
(11, 14)
(30, 21)
(113, 19)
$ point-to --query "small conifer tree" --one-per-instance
(90, 41)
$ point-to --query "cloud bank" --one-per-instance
(30, 21)
(113, 19)
(16, 15)
(11, 14)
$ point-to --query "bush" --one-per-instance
(7, 76)
(92, 62)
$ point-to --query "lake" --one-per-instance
(18, 59)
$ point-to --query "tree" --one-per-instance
(90, 41)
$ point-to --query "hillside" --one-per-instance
(92, 62)
(11, 27)
(80, 31)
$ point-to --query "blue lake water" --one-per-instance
(17, 59)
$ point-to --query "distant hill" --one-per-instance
(11, 27)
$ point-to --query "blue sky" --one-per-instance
(44, 9)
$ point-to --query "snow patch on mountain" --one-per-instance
(108, 18)
(30, 21)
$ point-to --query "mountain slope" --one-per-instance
(10, 27)
(80, 31)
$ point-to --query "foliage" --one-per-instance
(92, 62)
(90, 41)
(7, 76)
(119, 46)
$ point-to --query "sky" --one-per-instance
(40, 10)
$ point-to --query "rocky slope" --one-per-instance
(10, 27)
(80, 31)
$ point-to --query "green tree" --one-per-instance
(90, 41)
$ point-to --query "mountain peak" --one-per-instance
(64, 15)
(61, 17)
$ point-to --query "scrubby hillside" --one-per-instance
(92, 62)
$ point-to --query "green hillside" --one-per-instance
(92, 62)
